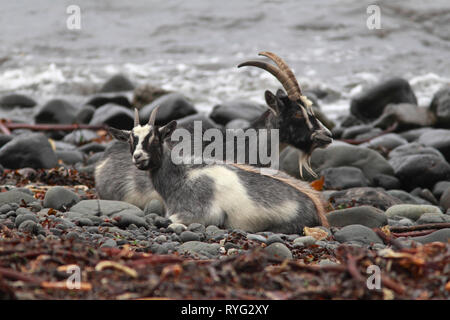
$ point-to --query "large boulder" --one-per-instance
(172, 106)
(230, 110)
(28, 150)
(117, 83)
(439, 139)
(57, 111)
(113, 115)
(440, 106)
(15, 196)
(370, 104)
(418, 166)
(16, 100)
(338, 154)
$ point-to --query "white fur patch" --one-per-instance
(140, 132)
(231, 197)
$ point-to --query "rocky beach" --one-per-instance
(385, 180)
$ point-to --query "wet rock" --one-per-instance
(178, 228)
(425, 194)
(357, 233)
(155, 206)
(186, 236)
(105, 207)
(278, 250)
(418, 166)
(59, 198)
(15, 196)
(56, 111)
(173, 106)
(146, 94)
(200, 249)
(414, 134)
(106, 98)
(29, 226)
(117, 83)
(440, 106)
(25, 217)
(385, 142)
(406, 198)
(350, 121)
(4, 139)
(433, 217)
(69, 157)
(353, 132)
(370, 104)
(304, 241)
(85, 114)
(162, 222)
(115, 116)
(231, 110)
(365, 215)
(386, 182)
(13, 100)
(440, 187)
(445, 199)
(438, 139)
(405, 116)
(128, 217)
(442, 235)
(353, 197)
(343, 178)
(28, 150)
(411, 211)
(370, 162)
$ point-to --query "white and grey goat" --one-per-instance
(223, 194)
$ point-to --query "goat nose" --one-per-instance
(137, 156)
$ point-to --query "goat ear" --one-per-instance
(281, 94)
(272, 102)
(168, 129)
(121, 135)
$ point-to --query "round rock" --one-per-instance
(59, 198)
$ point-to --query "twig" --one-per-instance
(15, 275)
(413, 233)
(7, 127)
(421, 227)
(389, 240)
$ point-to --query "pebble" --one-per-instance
(29, 226)
(304, 241)
(411, 211)
(154, 206)
(364, 215)
(177, 228)
(274, 239)
(357, 233)
(200, 249)
(162, 222)
(25, 217)
(109, 243)
(196, 227)
(59, 198)
(279, 250)
(186, 236)
(256, 237)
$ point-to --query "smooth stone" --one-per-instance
(29, 226)
(236, 109)
(304, 241)
(369, 104)
(256, 237)
(15, 196)
(117, 83)
(405, 116)
(173, 106)
(80, 136)
(353, 131)
(105, 207)
(200, 249)
(385, 142)
(162, 222)
(85, 114)
(411, 211)
(128, 217)
(186, 236)
(57, 111)
(374, 197)
(442, 235)
(28, 150)
(25, 217)
(59, 198)
(82, 221)
(432, 217)
(274, 239)
(177, 228)
(114, 116)
(364, 215)
(145, 94)
(438, 139)
(357, 233)
(407, 198)
(93, 147)
(213, 232)
(445, 200)
(440, 106)
(414, 134)
(196, 227)
(440, 187)
(386, 182)
(13, 100)
(109, 243)
(120, 99)
(278, 250)
(343, 178)
(190, 121)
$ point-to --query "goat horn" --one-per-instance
(136, 117)
(283, 67)
(152, 119)
(277, 73)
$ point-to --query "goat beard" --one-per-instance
(304, 161)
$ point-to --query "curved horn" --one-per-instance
(292, 91)
(136, 117)
(152, 119)
(283, 67)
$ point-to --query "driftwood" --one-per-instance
(6, 127)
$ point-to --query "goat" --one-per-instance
(117, 178)
(223, 194)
